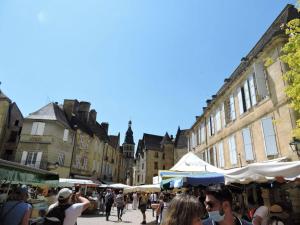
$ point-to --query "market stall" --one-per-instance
(143, 188)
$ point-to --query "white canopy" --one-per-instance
(192, 163)
(263, 172)
(65, 182)
(119, 186)
(145, 188)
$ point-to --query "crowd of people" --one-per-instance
(212, 206)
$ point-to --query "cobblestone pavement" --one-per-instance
(130, 217)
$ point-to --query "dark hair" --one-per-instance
(183, 209)
(221, 193)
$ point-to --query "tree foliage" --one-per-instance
(291, 56)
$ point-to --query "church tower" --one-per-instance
(128, 154)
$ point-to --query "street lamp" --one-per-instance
(295, 145)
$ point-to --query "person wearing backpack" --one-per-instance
(16, 211)
(63, 212)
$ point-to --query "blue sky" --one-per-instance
(152, 61)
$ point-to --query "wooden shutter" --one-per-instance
(38, 160)
(232, 147)
(24, 157)
(40, 129)
(66, 134)
(247, 144)
(34, 128)
(260, 79)
(269, 137)
(221, 155)
(247, 95)
(232, 108)
(252, 90)
(240, 99)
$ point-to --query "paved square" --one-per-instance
(130, 217)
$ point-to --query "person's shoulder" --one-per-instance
(207, 221)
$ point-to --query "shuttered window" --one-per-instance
(37, 128)
(66, 135)
(232, 107)
(203, 133)
(61, 158)
(260, 79)
(223, 115)
(218, 120)
(247, 144)
(269, 137)
(221, 161)
(252, 91)
(232, 150)
(215, 163)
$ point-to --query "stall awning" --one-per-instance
(12, 172)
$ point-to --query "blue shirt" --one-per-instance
(15, 216)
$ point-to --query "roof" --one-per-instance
(139, 148)
(50, 112)
(152, 142)
(99, 131)
(166, 139)
(114, 141)
(181, 140)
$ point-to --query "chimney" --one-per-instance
(208, 101)
(71, 107)
(83, 112)
(226, 80)
(105, 126)
(92, 116)
(214, 96)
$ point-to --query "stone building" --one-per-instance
(11, 122)
(249, 120)
(153, 153)
(65, 139)
(180, 144)
(128, 155)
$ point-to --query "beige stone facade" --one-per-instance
(249, 119)
(154, 153)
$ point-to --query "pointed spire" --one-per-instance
(129, 135)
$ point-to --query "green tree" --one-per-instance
(291, 56)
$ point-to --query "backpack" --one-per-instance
(56, 215)
(110, 199)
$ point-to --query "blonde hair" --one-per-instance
(183, 209)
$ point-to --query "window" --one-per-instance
(223, 115)
(231, 107)
(260, 80)
(269, 137)
(138, 178)
(66, 134)
(221, 161)
(61, 159)
(155, 165)
(32, 159)
(142, 166)
(247, 144)
(13, 136)
(202, 133)
(156, 154)
(212, 155)
(77, 162)
(211, 125)
(163, 156)
(199, 135)
(164, 167)
(218, 120)
(247, 95)
(16, 122)
(232, 150)
(37, 128)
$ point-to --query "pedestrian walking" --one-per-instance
(120, 203)
(109, 201)
(143, 201)
(134, 201)
(16, 211)
(64, 211)
(184, 210)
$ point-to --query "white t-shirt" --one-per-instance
(71, 213)
(262, 212)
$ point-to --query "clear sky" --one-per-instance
(152, 61)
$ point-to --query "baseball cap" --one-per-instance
(64, 193)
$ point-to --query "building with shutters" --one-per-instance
(11, 122)
(153, 153)
(249, 120)
(65, 139)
